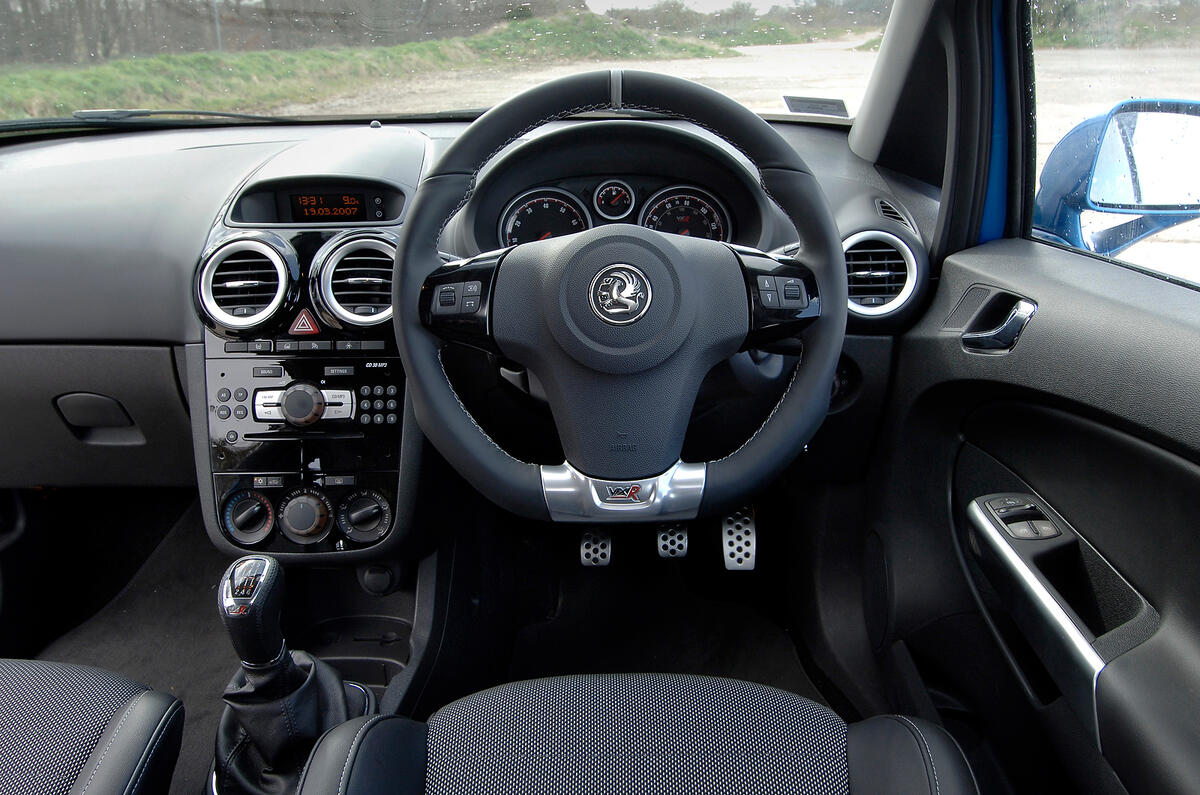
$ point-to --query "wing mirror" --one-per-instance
(1147, 160)
(1138, 160)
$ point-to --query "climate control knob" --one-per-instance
(304, 515)
(364, 516)
(302, 404)
(248, 516)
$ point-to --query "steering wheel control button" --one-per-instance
(765, 282)
(769, 299)
(738, 540)
(792, 292)
(447, 300)
(620, 294)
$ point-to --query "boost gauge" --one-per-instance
(613, 199)
(540, 214)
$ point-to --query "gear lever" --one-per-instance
(280, 701)
(251, 599)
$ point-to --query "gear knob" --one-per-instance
(250, 597)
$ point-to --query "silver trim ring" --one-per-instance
(910, 270)
(521, 197)
(707, 196)
(216, 259)
(596, 196)
(324, 267)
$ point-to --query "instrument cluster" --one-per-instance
(579, 204)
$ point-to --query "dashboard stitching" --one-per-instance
(487, 159)
(471, 417)
(753, 436)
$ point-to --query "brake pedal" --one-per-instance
(595, 548)
(739, 539)
(673, 541)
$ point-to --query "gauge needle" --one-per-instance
(543, 237)
(685, 231)
(616, 198)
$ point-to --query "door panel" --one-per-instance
(1092, 412)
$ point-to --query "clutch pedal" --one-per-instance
(595, 548)
(739, 539)
(673, 541)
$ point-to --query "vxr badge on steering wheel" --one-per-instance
(620, 294)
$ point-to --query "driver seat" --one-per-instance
(635, 733)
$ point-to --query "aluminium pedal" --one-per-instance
(672, 541)
(738, 539)
(595, 548)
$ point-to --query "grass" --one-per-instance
(256, 82)
(1106, 23)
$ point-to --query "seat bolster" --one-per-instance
(137, 752)
(906, 756)
(379, 753)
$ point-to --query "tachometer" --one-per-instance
(542, 213)
(684, 210)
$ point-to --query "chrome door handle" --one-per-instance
(1002, 338)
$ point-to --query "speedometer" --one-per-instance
(542, 213)
(684, 210)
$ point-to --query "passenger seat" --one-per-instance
(74, 729)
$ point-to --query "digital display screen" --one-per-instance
(328, 207)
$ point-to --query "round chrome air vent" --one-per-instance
(881, 272)
(242, 283)
(352, 280)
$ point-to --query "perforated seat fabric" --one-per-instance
(75, 729)
(635, 733)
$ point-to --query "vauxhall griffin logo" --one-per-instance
(620, 294)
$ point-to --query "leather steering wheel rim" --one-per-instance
(518, 486)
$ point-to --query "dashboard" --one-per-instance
(248, 317)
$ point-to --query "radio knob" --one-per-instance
(302, 404)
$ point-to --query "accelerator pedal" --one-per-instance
(738, 539)
(595, 548)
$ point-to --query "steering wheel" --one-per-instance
(619, 323)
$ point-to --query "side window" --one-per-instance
(1118, 130)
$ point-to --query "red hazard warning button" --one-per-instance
(304, 324)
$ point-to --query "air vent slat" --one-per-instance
(891, 212)
(243, 283)
(356, 281)
(877, 272)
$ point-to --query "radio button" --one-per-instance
(391, 419)
(240, 394)
(287, 346)
(240, 412)
(223, 412)
(259, 346)
(377, 391)
(268, 372)
(223, 395)
(348, 345)
(391, 390)
(315, 345)
(266, 405)
(339, 369)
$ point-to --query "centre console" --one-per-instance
(303, 389)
